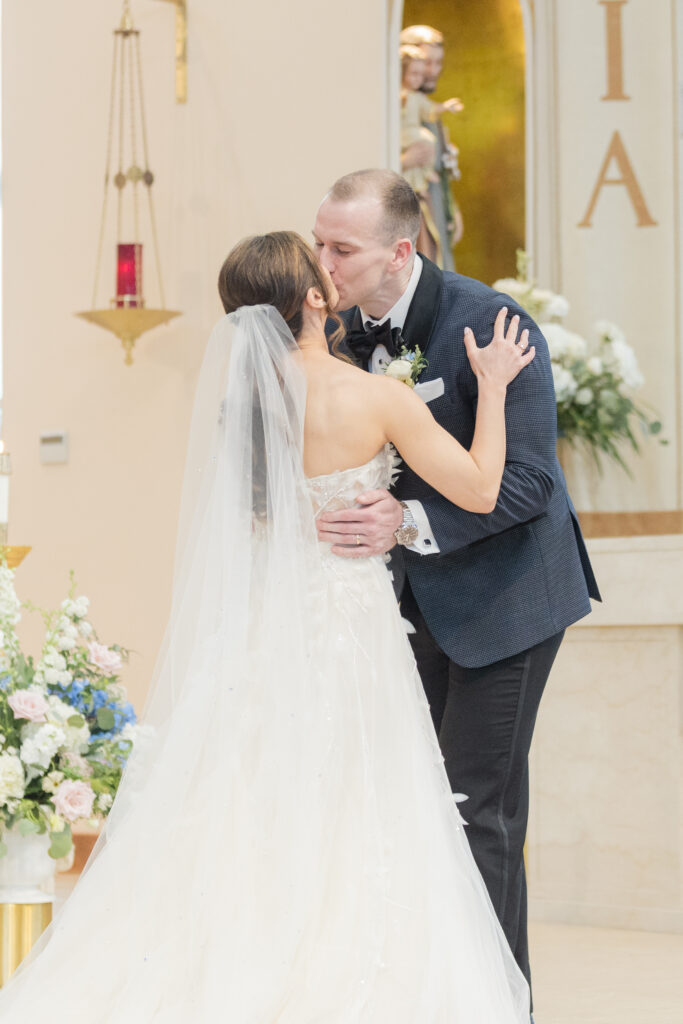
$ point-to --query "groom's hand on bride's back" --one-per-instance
(365, 531)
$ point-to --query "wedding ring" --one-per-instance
(357, 539)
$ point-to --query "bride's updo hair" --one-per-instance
(275, 269)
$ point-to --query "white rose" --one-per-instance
(65, 643)
(51, 676)
(594, 366)
(400, 369)
(513, 287)
(11, 778)
(104, 802)
(565, 385)
(557, 307)
(84, 628)
(584, 396)
(622, 359)
(563, 344)
(607, 331)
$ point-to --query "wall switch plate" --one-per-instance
(54, 447)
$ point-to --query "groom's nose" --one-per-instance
(325, 257)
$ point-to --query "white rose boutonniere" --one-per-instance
(406, 366)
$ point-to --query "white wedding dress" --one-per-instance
(290, 851)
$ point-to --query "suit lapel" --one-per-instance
(424, 309)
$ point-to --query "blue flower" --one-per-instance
(99, 699)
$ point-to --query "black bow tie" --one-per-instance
(362, 342)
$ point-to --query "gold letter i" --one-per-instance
(615, 50)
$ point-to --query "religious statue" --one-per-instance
(429, 164)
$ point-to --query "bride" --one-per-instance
(285, 846)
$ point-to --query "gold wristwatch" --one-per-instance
(407, 532)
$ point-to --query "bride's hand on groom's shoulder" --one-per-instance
(499, 362)
(362, 532)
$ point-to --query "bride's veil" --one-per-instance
(245, 528)
(243, 482)
(232, 691)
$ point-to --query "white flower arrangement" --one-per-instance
(593, 388)
(66, 726)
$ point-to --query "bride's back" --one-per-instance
(343, 428)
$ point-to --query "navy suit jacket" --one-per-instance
(504, 581)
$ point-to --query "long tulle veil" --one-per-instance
(240, 611)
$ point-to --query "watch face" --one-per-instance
(407, 534)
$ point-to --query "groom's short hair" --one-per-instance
(400, 206)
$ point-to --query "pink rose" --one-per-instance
(74, 800)
(109, 662)
(29, 704)
(77, 762)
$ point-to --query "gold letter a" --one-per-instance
(617, 151)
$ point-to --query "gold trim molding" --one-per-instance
(631, 524)
(180, 49)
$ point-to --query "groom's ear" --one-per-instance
(403, 251)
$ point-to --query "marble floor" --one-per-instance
(602, 976)
(591, 975)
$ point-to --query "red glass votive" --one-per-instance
(129, 274)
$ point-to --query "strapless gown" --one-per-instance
(312, 866)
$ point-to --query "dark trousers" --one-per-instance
(484, 718)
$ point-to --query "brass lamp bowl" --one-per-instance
(13, 554)
(128, 323)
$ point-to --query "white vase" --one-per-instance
(27, 872)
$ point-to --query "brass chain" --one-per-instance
(134, 171)
(148, 179)
(119, 208)
(107, 173)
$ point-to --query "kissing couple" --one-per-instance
(286, 845)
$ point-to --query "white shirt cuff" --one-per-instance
(426, 541)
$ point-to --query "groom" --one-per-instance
(489, 595)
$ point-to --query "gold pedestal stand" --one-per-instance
(21, 925)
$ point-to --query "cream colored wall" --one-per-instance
(276, 112)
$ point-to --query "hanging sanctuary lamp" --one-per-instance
(129, 176)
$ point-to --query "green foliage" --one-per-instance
(60, 843)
